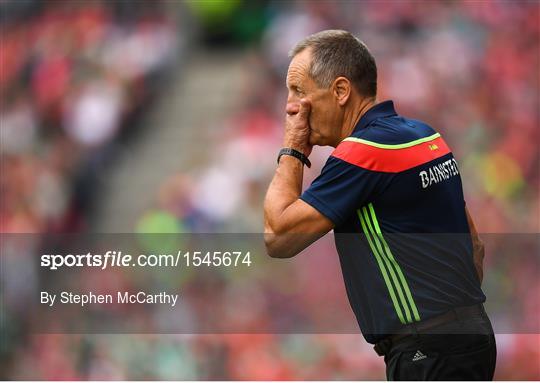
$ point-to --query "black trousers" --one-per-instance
(459, 350)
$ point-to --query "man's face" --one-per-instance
(326, 116)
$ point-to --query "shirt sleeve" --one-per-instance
(342, 188)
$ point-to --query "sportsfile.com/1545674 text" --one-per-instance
(118, 259)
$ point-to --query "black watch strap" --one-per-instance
(294, 153)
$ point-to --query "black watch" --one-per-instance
(296, 154)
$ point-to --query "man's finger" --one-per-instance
(305, 108)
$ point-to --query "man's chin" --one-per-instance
(316, 139)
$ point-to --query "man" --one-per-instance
(417, 297)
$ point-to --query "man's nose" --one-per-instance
(293, 107)
(292, 98)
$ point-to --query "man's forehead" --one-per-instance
(299, 65)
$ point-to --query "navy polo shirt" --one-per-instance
(393, 191)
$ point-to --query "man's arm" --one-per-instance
(478, 247)
(290, 224)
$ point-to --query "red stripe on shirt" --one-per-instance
(390, 160)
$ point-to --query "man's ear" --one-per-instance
(342, 90)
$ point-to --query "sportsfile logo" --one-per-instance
(438, 173)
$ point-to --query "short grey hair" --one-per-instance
(338, 53)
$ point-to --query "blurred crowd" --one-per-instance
(72, 78)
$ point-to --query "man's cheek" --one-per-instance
(312, 122)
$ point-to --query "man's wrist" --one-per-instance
(301, 157)
(294, 144)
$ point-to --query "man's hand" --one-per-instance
(297, 128)
(290, 224)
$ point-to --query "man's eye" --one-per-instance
(295, 89)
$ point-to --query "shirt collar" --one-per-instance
(382, 109)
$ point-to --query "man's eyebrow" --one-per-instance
(291, 86)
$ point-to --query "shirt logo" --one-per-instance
(433, 147)
(418, 356)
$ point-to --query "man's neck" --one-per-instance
(356, 114)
